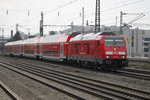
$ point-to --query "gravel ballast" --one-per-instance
(28, 89)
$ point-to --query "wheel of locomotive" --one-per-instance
(11, 55)
(83, 64)
(37, 57)
(76, 63)
(114, 70)
(98, 67)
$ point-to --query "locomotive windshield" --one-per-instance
(114, 41)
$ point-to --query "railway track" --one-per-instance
(142, 71)
(94, 89)
(40, 80)
(9, 93)
(135, 73)
(128, 72)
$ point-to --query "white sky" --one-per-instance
(18, 13)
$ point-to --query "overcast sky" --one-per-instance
(27, 13)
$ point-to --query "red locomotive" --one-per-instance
(102, 50)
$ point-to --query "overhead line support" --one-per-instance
(97, 16)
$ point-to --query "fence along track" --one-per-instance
(119, 92)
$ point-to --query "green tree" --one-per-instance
(16, 37)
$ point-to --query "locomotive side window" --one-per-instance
(98, 43)
(51, 52)
(114, 41)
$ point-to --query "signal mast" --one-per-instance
(97, 16)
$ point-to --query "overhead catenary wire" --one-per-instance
(33, 18)
(109, 9)
(127, 4)
(56, 9)
(138, 17)
(28, 5)
(50, 11)
(123, 5)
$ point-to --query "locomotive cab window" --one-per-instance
(114, 41)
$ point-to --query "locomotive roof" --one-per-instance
(91, 36)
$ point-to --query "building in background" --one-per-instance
(146, 45)
(149, 50)
(3, 40)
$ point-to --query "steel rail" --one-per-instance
(107, 88)
(9, 92)
(46, 84)
(55, 87)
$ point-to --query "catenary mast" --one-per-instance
(97, 16)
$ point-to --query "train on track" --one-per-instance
(102, 50)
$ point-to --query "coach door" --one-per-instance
(61, 50)
(21, 49)
(37, 49)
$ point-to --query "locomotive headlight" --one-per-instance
(109, 53)
(107, 56)
(122, 56)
